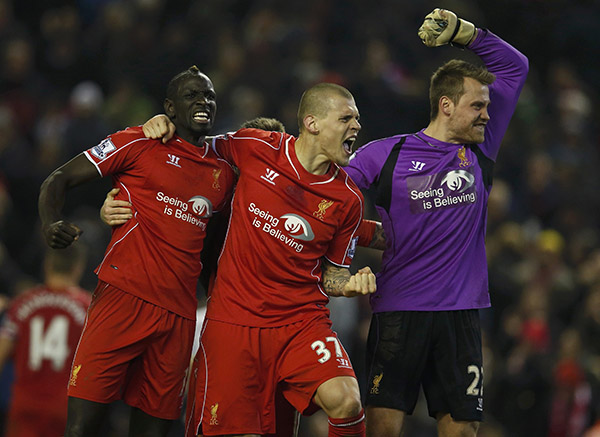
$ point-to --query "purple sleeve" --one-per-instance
(367, 162)
(510, 67)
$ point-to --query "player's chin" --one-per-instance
(478, 135)
(203, 129)
(343, 160)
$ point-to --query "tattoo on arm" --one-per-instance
(334, 278)
(379, 240)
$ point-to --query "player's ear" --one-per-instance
(310, 124)
(169, 108)
(446, 105)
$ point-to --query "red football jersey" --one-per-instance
(174, 190)
(283, 221)
(45, 325)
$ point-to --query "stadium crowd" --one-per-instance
(71, 72)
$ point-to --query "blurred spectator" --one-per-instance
(572, 401)
(20, 83)
(588, 326)
(62, 58)
(127, 105)
(49, 133)
(87, 124)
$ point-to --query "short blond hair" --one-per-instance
(317, 100)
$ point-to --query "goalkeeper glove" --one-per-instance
(442, 26)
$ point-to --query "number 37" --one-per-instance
(321, 349)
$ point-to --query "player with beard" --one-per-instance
(432, 190)
(139, 331)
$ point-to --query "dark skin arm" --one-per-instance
(213, 243)
(58, 232)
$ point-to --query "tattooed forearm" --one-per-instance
(379, 240)
(334, 278)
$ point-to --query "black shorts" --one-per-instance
(438, 350)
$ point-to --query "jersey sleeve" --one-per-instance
(234, 147)
(343, 245)
(366, 163)
(510, 67)
(366, 231)
(117, 151)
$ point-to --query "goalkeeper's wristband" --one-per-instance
(464, 32)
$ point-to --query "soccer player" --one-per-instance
(116, 212)
(432, 192)
(137, 341)
(291, 238)
(39, 333)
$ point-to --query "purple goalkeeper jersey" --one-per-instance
(432, 198)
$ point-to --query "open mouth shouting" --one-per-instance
(348, 144)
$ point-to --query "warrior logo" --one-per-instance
(173, 160)
(297, 227)
(320, 213)
(270, 176)
(201, 206)
(458, 180)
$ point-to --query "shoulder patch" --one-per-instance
(352, 249)
(105, 148)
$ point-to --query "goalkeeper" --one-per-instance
(432, 192)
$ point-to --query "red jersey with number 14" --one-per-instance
(45, 325)
(174, 189)
(284, 220)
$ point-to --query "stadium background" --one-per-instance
(74, 71)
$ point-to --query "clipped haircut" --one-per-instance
(448, 80)
(174, 83)
(264, 123)
(316, 100)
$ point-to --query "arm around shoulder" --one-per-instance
(159, 126)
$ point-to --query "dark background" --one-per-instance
(71, 72)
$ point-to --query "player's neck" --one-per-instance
(438, 130)
(190, 136)
(195, 140)
(59, 282)
(312, 162)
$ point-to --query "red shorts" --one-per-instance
(287, 418)
(240, 370)
(133, 350)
